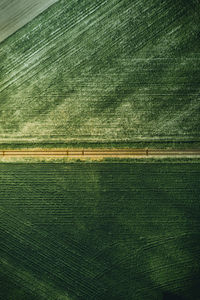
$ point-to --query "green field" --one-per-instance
(122, 230)
(99, 74)
(103, 72)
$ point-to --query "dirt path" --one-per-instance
(99, 153)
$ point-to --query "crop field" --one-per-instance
(16, 13)
(103, 72)
(82, 77)
(122, 230)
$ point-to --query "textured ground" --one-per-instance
(16, 13)
(100, 231)
(103, 71)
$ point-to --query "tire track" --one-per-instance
(100, 153)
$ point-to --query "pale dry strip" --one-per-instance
(100, 153)
(15, 14)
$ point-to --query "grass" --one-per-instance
(103, 145)
(106, 230)
(118, 72)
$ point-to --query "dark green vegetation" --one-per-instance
(100, 231)
(103, 71)
(100, 145)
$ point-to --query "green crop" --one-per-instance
(118, 72)
(99, 230)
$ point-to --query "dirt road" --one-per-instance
(99, 153)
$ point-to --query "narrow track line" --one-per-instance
(99, 153)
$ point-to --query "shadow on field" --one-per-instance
(170, 296)
(9, 290)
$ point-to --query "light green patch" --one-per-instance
(14, 14)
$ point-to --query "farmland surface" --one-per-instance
(100, 231)
(16, 13)
(103, 71)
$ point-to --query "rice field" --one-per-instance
(103, 72)
(109, 230)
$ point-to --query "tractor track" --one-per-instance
(100, 153)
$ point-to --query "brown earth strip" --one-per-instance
(99, 153)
